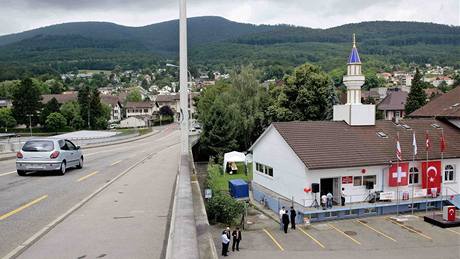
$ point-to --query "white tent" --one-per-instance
(233, 156)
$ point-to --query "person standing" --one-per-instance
(225, 243)
(342, 196)
(227, 232)
(324, 201)
(329, 200)
(285, 220)
(293, 214)
(281, 213)
(236, 234)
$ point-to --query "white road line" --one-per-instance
(3, 174)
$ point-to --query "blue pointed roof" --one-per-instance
(354, 56)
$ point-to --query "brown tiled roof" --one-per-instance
(110, 99)
(394, 101)
(139, 105)
(446, 105)
(167, 97)
(333, 144)
(73, 96)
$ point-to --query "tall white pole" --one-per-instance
(183, 77)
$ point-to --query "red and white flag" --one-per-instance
(398, 149)
(427, 141)
(398, 175)
(442, 142)
(431, 176)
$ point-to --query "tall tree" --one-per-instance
(417, 96)
(49, 107)
(134, 96)
(84, 103)
(95, 108)
(26, 101)
(6, 119)
(55, 121)
(71, 111)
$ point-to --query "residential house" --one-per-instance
(393, 105)
(139, 109)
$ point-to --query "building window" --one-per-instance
(449, 173)
(264, 169)
(398, 114)
(146, 110)
(369, 179)
(357, 181)
(414, 175)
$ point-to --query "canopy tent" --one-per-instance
(234, 156)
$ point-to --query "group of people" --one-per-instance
(236, 235)
(326, 199)
(286, 217)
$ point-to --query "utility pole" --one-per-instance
(30, 123)
(183, 77)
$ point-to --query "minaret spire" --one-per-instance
(354, 41)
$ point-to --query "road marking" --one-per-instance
(453, 231)
(274, 240)
(345, 234)
(12, 172)
(312, 238)
(87, 176)
(25, 206)
(115, 163)
(381, 233)
(410, 229)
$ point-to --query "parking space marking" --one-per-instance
(453, 231)
(378, 231)
(274, 240)
(312, 238)
(115, 163)
(25, 206)
(87, 176)
(12, 172)
(410, 229)
(345, 234)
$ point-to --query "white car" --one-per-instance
(48, 155)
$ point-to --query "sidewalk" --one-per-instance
(129, 219)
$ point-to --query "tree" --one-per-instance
(134, 96)
(444, 87)
(6, 118)
(166, 111)
(55, 121)
(26, 101)
(71, 111)
(49, 107)
(55, 86)
(84, 103)
(307, 95)
(373, 81)
(417, 96)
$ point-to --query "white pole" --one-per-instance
(183, 77)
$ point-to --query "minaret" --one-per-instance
(354, 112)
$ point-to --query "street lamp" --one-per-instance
(30, 123)
(183, 76)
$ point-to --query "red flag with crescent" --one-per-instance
(431, 176)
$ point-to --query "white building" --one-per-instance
(139, 109)
(135, 122)
(355, 152)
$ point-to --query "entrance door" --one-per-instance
(331, 185)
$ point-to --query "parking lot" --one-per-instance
(373, 237)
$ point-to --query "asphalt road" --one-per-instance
(27, 204)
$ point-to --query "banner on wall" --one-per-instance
(431, 176)
(399, 175)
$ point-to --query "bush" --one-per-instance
(55, 121)
(224, 209)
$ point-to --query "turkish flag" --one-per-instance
(401, 178)
(431, 176)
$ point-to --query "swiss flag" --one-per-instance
(431, 175)
(400, 178)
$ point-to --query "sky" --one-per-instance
(22, 15)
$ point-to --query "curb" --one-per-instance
(154, 132)
(34, 238)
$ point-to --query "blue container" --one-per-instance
(239, 189)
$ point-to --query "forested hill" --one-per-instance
(218, 42)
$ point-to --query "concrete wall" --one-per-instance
(289, 173)
(132, 123)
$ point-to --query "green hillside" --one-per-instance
(219, 43)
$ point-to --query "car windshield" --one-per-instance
(38, 146)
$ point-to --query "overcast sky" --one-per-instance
(21, 15)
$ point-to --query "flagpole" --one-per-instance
(442, 167)
(426, 169)
(398, 179)
(414, 145)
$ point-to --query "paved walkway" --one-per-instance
(129, 219)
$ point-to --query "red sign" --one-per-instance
(431, 176)
(398, 177)
(347, 179)
(451, 213)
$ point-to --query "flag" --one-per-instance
(431, 176)
(442, 142)
(427, 141)
(398, 149)
(398, 175)
(414, 144)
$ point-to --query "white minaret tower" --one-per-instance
(354, 112)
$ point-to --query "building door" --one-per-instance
(326, 185)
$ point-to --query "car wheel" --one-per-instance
(80, 163)
(21, 173)
(63, 168)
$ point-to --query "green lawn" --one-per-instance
(219, 181)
